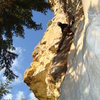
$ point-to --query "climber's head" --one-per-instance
(59, 23)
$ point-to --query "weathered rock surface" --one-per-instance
(82, 80)
(38, 76)
(80, 63)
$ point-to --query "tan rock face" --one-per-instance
(49, 67)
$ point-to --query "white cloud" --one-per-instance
(16, 81)
(15, 67)
(19, 79)
(18, 60)
(20, 95)
(32, 97)
(8, 97)
(3, 78)
(2, 71)
(15, 63)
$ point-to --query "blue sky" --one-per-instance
(24, 48)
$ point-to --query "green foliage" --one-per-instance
(6, 60)
(4, 88)
(14, 15)
(51, 1)
(52, 98)
(23, 98)
(49, 23)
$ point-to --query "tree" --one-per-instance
(4, 88)
(14, 15)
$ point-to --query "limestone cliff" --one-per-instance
(49, 67)
(82, 80)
